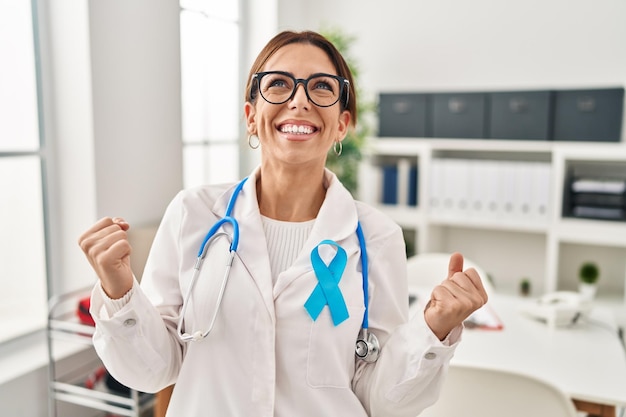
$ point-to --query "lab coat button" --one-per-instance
(129, 322)
(430, 355)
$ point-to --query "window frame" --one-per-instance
(200, 148)
(36, 323)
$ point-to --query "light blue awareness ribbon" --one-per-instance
(327, 289)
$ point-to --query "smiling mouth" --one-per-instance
(297, 129)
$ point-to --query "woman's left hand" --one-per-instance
(452, 301)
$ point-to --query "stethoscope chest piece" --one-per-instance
(367, 346)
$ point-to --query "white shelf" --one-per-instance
(513, 225)
(507, 246)
(405, 216)
(394, 146)
(591, 232)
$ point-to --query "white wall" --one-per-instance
(113, 105)
(135, 67)
(68, 117)
(259, 22)
(481, 44)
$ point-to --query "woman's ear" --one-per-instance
(344, 124)
(250, 114)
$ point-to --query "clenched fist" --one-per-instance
(452, 301)
(108, 251)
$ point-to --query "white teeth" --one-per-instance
(301, 129)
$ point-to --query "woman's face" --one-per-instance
(297, 131)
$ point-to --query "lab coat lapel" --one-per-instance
(252, 245)
(336, 220)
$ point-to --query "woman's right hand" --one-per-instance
(106, 246)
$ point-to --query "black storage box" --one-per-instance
(588, 115)
(459, 115)
(520, 115)
(403, 115)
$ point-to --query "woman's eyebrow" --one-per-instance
(315, 74)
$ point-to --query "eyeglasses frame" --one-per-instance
(343, 82)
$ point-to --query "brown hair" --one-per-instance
(306, 37)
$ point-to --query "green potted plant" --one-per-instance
(588, 275)
(524, 286)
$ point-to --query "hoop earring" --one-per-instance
(338, 147)
(258, 141)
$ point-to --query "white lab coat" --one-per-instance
(266, 356)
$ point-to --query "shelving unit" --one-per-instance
(544, 246)
(68, 384)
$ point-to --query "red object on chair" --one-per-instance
(83, 311)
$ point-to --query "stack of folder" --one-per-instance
(400, 183)
(490, 189)
(598, 198)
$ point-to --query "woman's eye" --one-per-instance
(323, 85)
(278, 83)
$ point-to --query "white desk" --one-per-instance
(586, 360)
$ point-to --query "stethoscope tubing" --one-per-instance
(209, 238)
(365, 274)
(198, 335)
(234, 244)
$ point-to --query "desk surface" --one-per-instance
(586, 360)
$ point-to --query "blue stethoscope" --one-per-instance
(367, 345)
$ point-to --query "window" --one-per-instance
(23, 299)
(210, 90)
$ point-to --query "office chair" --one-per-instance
(480, 392)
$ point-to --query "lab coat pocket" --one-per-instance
(330, 362)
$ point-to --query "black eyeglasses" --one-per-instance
(278, 87)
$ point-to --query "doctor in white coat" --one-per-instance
(275, 349)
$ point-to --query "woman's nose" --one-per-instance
(299, 97)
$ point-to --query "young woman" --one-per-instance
(313, 267)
